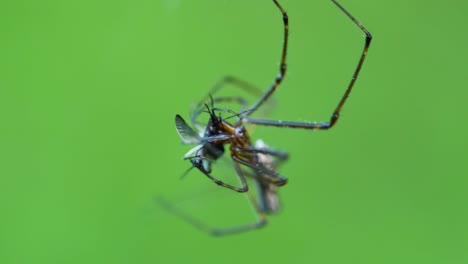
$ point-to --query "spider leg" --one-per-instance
(336, 113)
(214, 231)
(197, 162)
(281, 155)
(282, 69)
(244, 187)
(271, 159)
(237, 82)
(224, 82)
(232, 99)
(259, 205)
(249, 87)
(262, 173)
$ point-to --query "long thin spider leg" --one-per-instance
(282, 70)
(232, 99)
(262, 173)
(244, 187)
(198, 163)
(254, 150)
(242, 102)
(236, 82)
(259, 206)
(269, 197)
(214, 231)
(368, 40)
(234, 113)
(271, 159)
(336, 112)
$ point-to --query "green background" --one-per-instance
(88, 94)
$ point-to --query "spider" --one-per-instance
(219, 132)
(265, 203)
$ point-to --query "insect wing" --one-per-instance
(186, 133)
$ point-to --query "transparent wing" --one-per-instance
(186, 133)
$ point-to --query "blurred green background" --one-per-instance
(88, 94)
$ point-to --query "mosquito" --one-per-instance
(219, 132)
